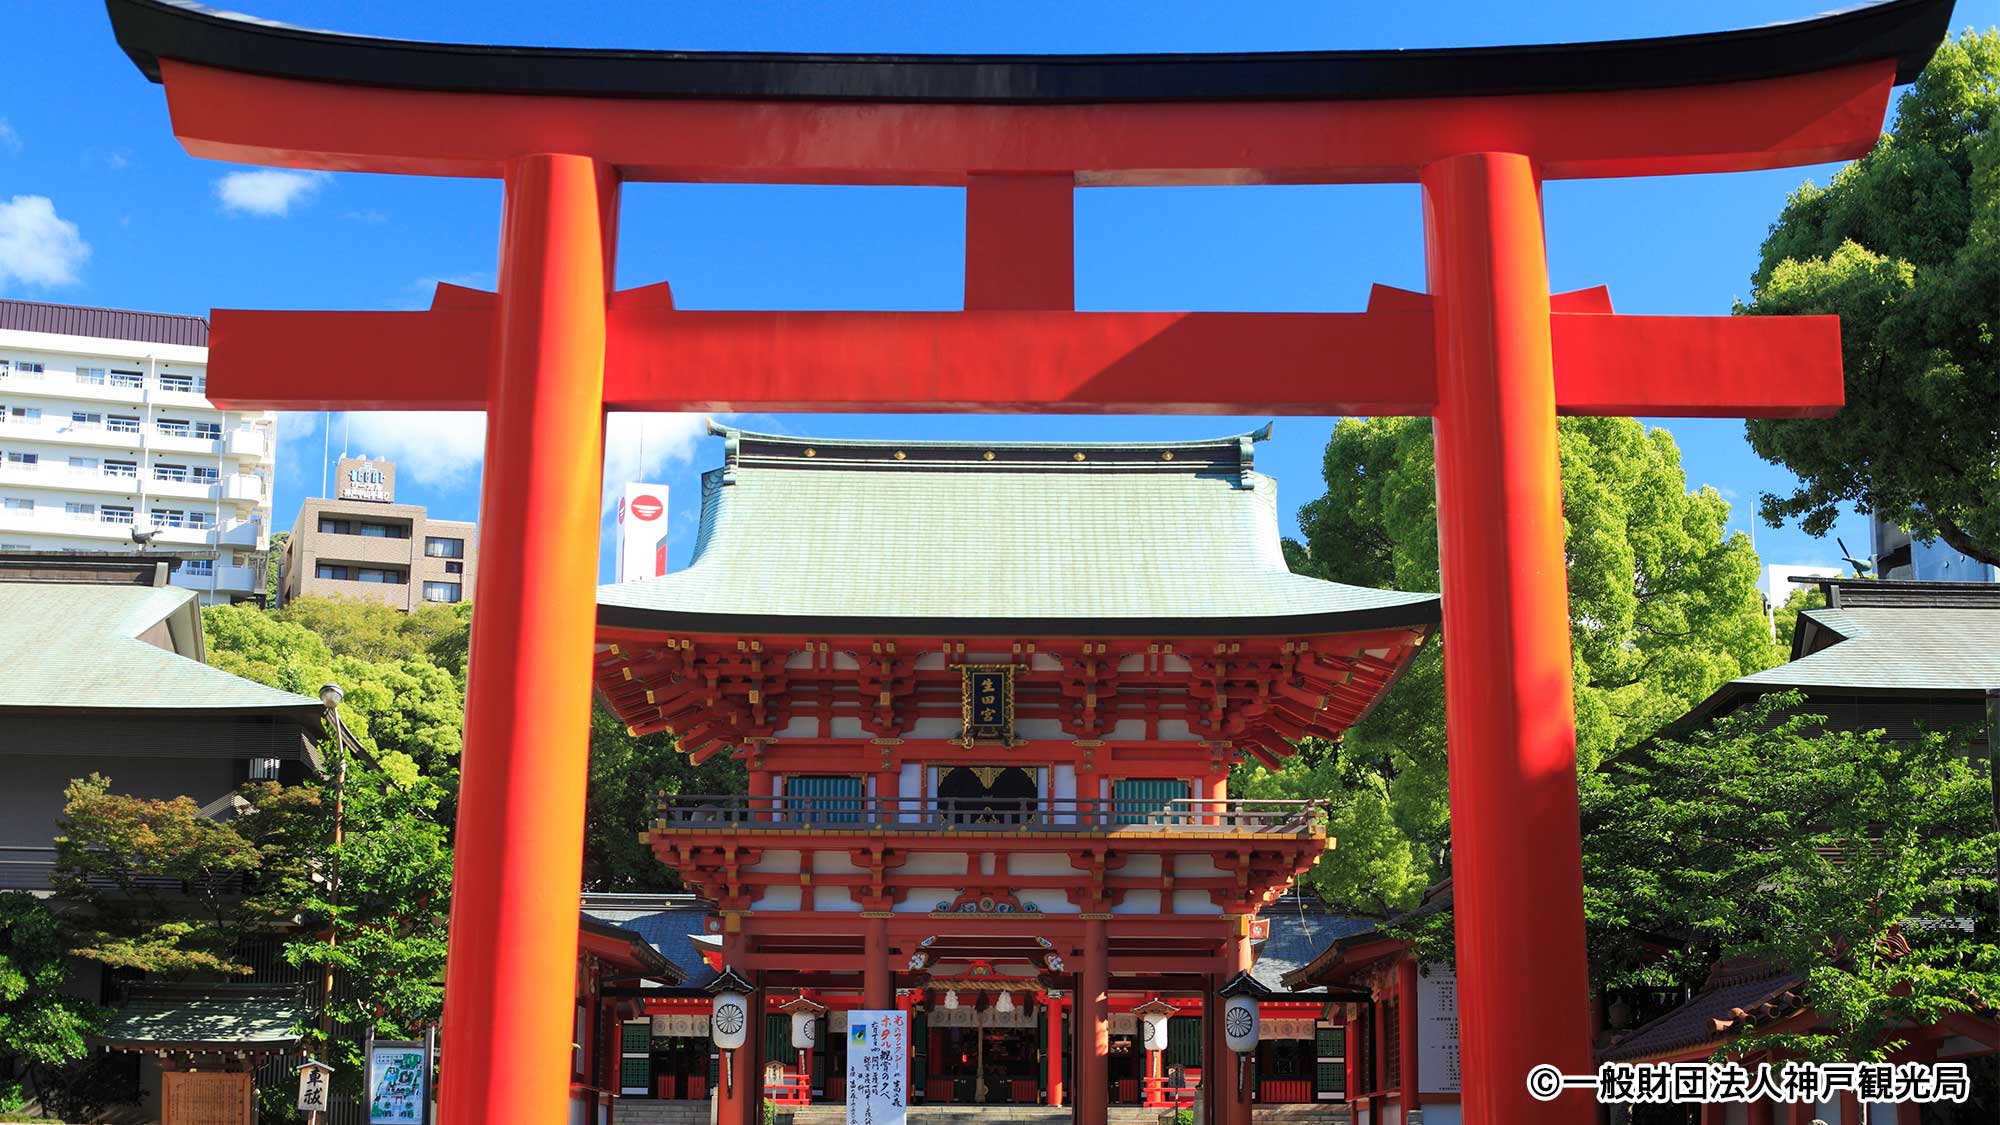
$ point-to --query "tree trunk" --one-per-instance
(1964, 544)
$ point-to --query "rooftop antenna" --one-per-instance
(1861, 568)
(325, 447)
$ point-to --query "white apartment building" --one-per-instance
(108, 442)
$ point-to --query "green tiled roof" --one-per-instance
(1002, 538)
(223, 1016)
(76, 647)
(1886, 638)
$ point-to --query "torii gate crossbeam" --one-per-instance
(1489, 353)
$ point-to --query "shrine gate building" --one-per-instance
(989, 697)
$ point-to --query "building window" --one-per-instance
(200, 472)
(265, 769)
(210, 430)
(382, 530)
(169, 517)
(380, 574)
(121, 469)
(440, 547)
(454, 568)
(122, 424)
(195, 566)
(81, 511)
(441, 591)
(93, 376)
(16, 504)
(22, 367)
(16, 457)
(200, 519)
(330, 526)
(131, 380)
(25, 413)
(185, 384)
(174, 427)
(328, 570)
(177, 473)
(115, 513)
(85, 419)
(83, 464)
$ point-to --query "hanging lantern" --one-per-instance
(1242, 1019)
(805, 1021)
(1153, 1016)
(951, 999)
(729, 1011)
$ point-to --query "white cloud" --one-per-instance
(446, 447)
(36, 246)
(637, 446)
(433, 446)
(266, 191)
(9, 139)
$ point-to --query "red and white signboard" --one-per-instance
(642, 532)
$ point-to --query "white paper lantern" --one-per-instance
(805, 1021)
(1240, 1023)
(729, 1011)
(1153, 1016)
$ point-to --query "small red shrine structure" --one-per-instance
(989, 696)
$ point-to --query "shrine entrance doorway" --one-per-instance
(986, 794)
(989, 1065)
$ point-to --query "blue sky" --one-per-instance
(157, 229)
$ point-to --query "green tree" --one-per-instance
(274, 561)
(1861, 863)
(1786, 617)
(42, 1028)
(154, 885)
(1904, 245)
(1663, 608)
(627, 775)
(376, 632)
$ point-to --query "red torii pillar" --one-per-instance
(1489, 353)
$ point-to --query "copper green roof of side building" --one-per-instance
(1015, 538)
(86, 647)
(221, 1016)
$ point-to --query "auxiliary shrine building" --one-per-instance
(989, 697)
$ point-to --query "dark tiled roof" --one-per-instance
(104, 324)
(1738, 992)
(1296, 938)
(668, 923)
(1314, 968)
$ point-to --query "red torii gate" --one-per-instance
(1489, 354)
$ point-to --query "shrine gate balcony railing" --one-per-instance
(737, 812)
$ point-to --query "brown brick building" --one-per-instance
(362, 544)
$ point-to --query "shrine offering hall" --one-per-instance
(989, 697)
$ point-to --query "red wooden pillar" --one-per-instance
(1760, 1112)
(1092, 1095)
(1052, 1075)
(1406, 1033)
(876, 991)
(1233, 1099)
(510, 976)
(762, 806)
(1516, 847)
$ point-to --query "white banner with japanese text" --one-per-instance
(878, 1053)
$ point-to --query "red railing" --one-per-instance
(1285, 1090)
(1027, 814)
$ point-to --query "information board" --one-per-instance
(878, 1052)
(1437, 1029)
(398, 1083)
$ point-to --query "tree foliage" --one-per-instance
(41, 1027)
(1861, 863)
(627, 774)
(1904, 245)
(1663, 608)
(1785, 618)
(154, 885)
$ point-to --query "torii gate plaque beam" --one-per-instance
(1489, 353)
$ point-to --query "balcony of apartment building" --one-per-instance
(361, 579)
(185, 435)
(184, 482)
(210, 575)
(72, 427)
(99, 384)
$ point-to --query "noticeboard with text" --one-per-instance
(989, 703)
(878, 1052)
(398, 1083)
